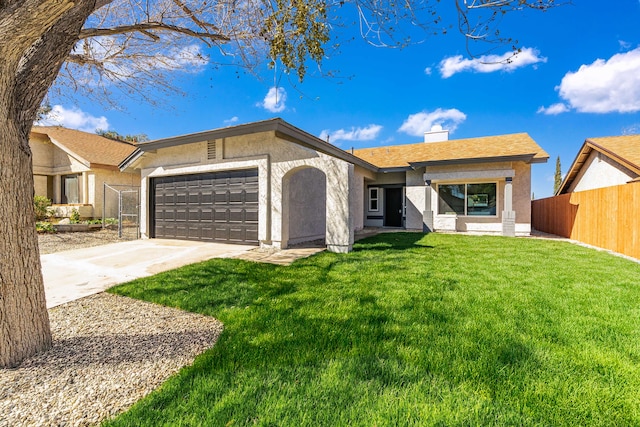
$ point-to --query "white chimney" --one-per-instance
(436, 134)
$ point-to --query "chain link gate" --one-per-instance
(121, 207)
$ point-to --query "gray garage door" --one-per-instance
(220, 206)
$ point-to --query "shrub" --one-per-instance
(44, 227)
(75, 216)
(41, 205)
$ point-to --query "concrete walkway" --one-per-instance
(74, 274)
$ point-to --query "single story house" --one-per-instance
(271, 184)
(478, 185)
(70, 167)
(603, 162)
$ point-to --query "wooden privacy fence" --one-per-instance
(608, 217)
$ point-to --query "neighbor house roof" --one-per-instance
(624, 150)
(519, 146)
(89, 148)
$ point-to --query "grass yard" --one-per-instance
(408, 330)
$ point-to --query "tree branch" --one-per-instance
(204, 25)
(144, 28)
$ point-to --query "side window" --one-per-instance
(373, 199)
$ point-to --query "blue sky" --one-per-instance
(578, 76)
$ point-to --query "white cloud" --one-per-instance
(232, 120)
(354, 134)
(419, 123)
(554, 109)
(428, 71)
(490, 63)
(74, 118)
(275, 100)
(624, 44)
(632, 129)
(605, 86)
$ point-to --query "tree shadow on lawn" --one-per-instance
(392, 241)
(314, 327)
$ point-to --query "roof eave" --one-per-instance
(527, 158)
(62, 147)
(287, 131)
(614, 156)
(130, 160)
(394, 169)
(281, 128)
(583, 154)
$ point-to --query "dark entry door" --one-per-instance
(220, 206)
(393, 207)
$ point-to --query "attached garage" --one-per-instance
(214, 206)
(264, 183)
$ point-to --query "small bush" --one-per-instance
(75, 216)
(41, 205)
(44, 227)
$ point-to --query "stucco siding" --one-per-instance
(522, 192)
(305, 195)
(42, 155)
(357, 199)
(40, 184)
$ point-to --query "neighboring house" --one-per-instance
(272, 184)
(603, 162)
(71, 166)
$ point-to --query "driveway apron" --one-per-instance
(74, 274)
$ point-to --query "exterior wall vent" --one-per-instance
(212, 152)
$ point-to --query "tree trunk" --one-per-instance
(35, 38)
(24, 321)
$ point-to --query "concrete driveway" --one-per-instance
(78, 273)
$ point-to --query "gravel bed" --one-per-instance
(58, 242)
(108, 352)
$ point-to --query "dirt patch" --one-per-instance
(57, 242)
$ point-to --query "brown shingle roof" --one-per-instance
(622, 149)
(93, 148)
(519, 145)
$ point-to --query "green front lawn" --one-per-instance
(408, 330)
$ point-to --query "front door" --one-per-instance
(393, 207)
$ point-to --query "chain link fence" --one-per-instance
(121, 209)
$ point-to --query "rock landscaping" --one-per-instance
(108, 352)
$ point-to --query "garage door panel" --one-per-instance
(221, 197)
(251, 215)
(221, 206)
(251, 197)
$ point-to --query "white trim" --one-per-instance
(377, 199)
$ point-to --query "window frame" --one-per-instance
(375, 199)
(466, 200)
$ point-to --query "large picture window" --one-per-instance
(467, 199)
